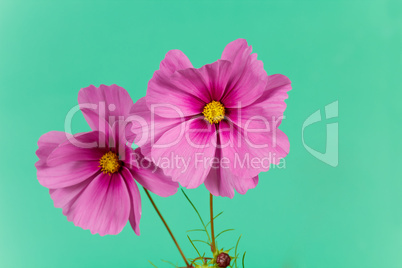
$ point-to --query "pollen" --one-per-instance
(109, 163)
(214, 112)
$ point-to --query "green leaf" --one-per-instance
(202, 242)
(220, 213)
(194, 246)
(196, 230)
(199, 216)
(237, 244)
(152, 264)
(224, 231)
(171, 263)
(242, 261)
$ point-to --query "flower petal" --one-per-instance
(174, 60)
(248, 77)
(66, 174)
(69, 163)
(273, 99)
(184, 151)
(79, 147)
(218, 181)
(243, 185)
(149, 175)
(104, 104)
(135, 200)
(65, 197)
(172, 102)
(221, 180)
(148, 126)
(237, 52)
(267, 111)
(218, 184)
(47, 143)
(103, 207)
(207, 83)
(250, 152)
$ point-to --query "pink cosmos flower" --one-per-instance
(91, 175)
(216, 125)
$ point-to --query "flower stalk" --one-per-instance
(211, 206)
(167, 227)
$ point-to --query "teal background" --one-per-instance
(306, 215)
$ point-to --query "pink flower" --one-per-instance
(216, 125)
(91, 175)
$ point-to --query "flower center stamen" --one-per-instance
(214, 112)
(109, 163)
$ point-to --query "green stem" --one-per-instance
(211, 206)
(167, 227)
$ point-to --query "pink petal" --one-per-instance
(221, 180)
(135, 200)
(174, 60)
(248, 77)
(149, 175)
(243, 185)
(250, 117)
(274, 96)
(171, 101)
(79, 147)
(66, 174)
(47, 143)
(105, 104)
(251, 152)
(117, 139)
(65, 197)
(218, 184)
(237, 52)
(148, 126)
(207, 83)
(184, 152)
(218, 181)
(103, 207)
(69, 164)
(267, 111)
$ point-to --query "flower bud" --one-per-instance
(223, 260)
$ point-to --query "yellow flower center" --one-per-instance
(214, 112)
(109, 163)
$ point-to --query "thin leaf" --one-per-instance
(224, 231)
(201, 241)
(234, 262)
(199, 216)
(242, 261)
(152, 264)
(220, 213)
(237, 244)
(196, 230)
(170, 263)
(194, 246)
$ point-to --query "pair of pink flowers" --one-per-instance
(216, 125)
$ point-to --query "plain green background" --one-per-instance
(306, 215)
